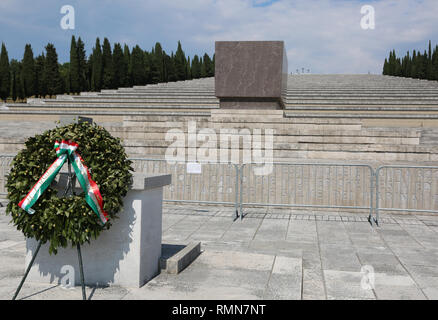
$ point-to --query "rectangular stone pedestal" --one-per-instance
(250, 74)
(128, 254)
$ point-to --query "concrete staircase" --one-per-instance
(330, 117)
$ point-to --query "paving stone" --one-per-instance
(272, 230)
(313, 284)
(238, 257)
(396, 287)
(286, 278)
(339, 257)
(345, 285)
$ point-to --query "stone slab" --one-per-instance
(179, 261)
(128, 254)
(250, 74)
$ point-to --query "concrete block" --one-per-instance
(175, 263)
(127, 255)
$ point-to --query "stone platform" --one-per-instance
(270, 254)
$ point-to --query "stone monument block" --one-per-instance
(251, 74)
(127, 255)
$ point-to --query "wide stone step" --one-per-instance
(306, 155)
(278, 132)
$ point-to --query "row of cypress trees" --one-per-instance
(417, 65)
(107, 67)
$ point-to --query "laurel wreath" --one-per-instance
(60, 220)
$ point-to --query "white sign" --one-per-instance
(193, 167)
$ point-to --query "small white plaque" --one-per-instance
(193, 167)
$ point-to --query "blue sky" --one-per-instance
(324, 36)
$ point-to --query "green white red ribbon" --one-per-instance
(67, 150)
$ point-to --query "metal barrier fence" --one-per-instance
(214, 183)
(315, 185)
(406, 188)
(5, 166)
(307, 185)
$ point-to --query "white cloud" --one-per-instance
(323, 35)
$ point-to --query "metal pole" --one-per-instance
(370, 217)
(81, 268)
(241, 190)
(377, 196)
(237, 192)
(27, 270)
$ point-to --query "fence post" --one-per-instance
(241, 190)
(236, 204)
(377, 196)
(372, 177)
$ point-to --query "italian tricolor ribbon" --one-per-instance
(67, 150)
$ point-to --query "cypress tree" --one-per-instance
(155, 65)
(159, 56)
(51, 75)
(96, 67)
(196, 67)
(64, 71)
(170, 71)
(429, 68)
(40, 85)
(180, 63)
(203, 69)
(28, 72)
(5, 77)
(17, 91)
(83, 73)
(147, 65)
(107, 65)
(208, 65)
(138, 68)
(414, 65)
(120, 69)
(127, 57)
(73, 74)
(14, 87)
(188, 69)
(385, 68)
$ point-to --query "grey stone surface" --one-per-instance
(179, 261)
(250, 74)
(300, 265)
(127, 255)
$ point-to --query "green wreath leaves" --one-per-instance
(60, 220)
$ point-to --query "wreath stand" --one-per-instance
(69, 190)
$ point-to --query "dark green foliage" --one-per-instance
(127, 57)
(105, 68)
(83, 73)
(17, 91)
(64, 70)
(5, 76)
(74, 82)
(96, 69)
(27, 75)
(60, 220)
(40, 86)
(180, 63)
(420, 66)
(120, 66)
(138, 67)
(51, 75)
(196, 67)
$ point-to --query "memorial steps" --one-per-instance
(329, 117)
(303, 139)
